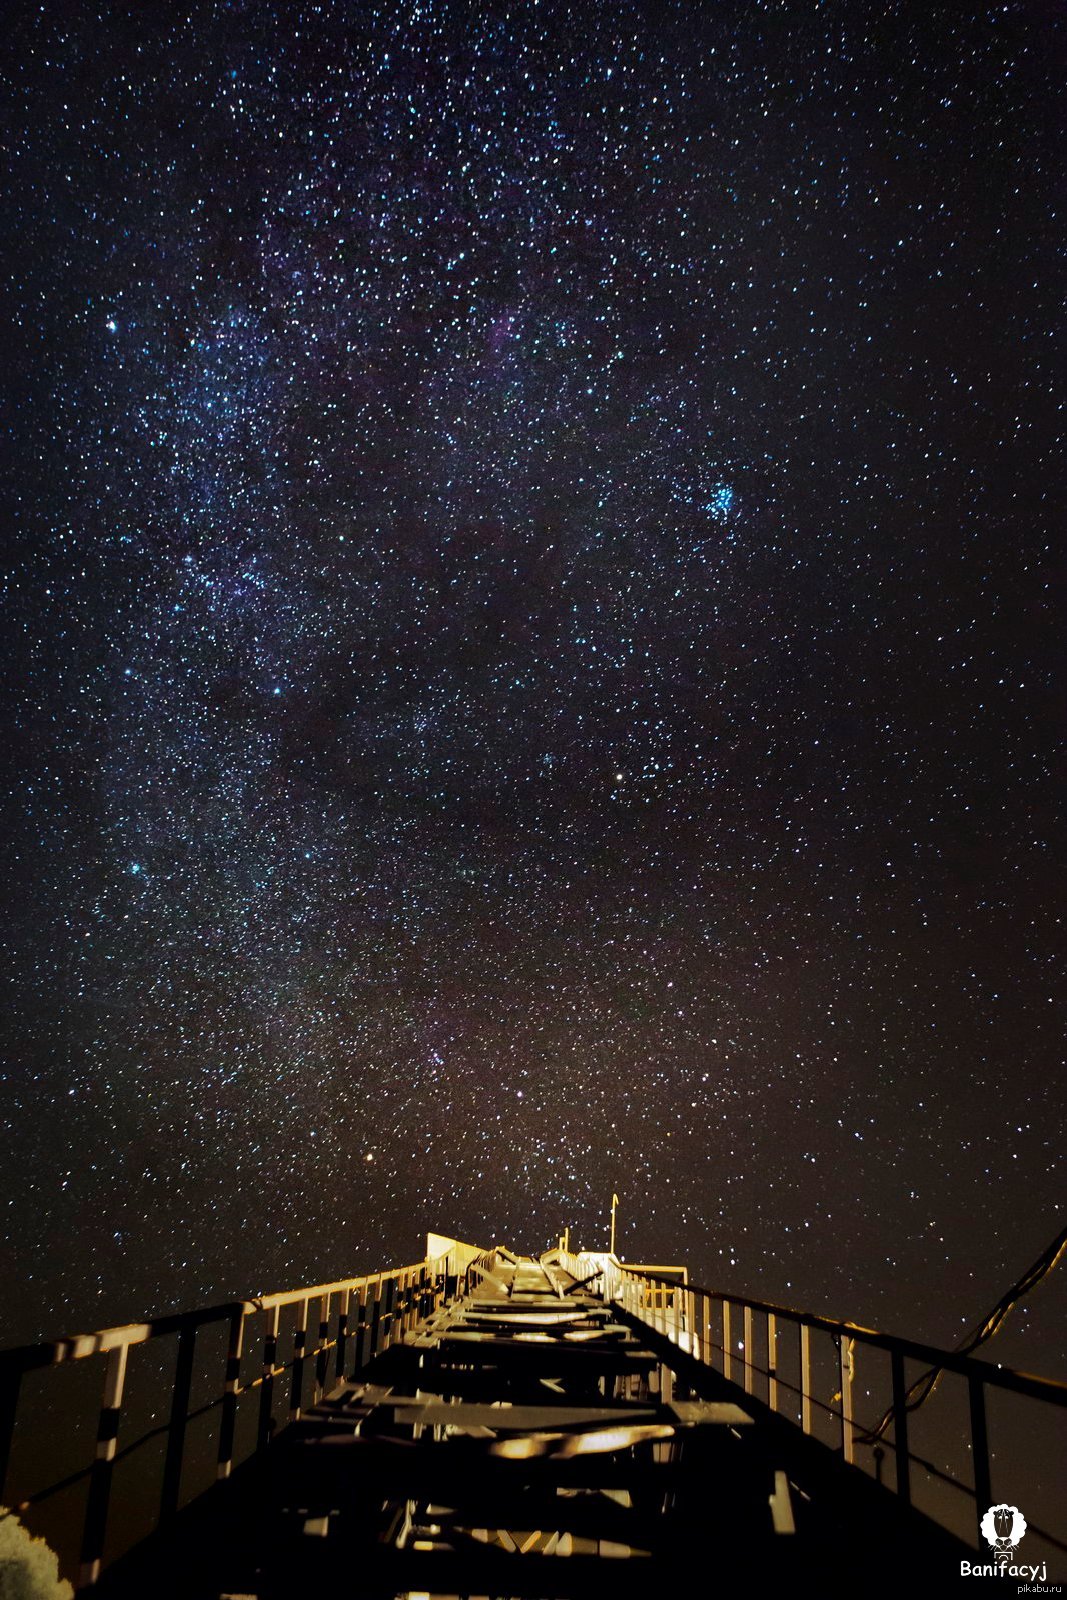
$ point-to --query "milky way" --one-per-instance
(529, 585)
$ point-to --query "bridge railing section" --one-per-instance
(482, 1266)
(746, 1341)
(332, 1331)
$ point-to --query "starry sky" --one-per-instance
(531, 636)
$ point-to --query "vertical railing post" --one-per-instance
(342, 1334)
(983, 1488)
(296, 1383)
(749, 1365)
(388, 1311)
(322, 1354)
(727, 1351)
(361, 1331)
(375, 1316)
(900, 1427)
(107, 1433)
(772, 1361)
(805, 1377)
(10, 1383)
(179, 1417)
(231, 1393)
(266, 1390)
(847, 1368)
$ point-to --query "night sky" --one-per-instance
(531, 628)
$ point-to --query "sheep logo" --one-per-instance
(1003, 1528)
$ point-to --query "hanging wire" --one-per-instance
(923, 1387)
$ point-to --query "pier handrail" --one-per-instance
(372, 1310)
(684, 1313)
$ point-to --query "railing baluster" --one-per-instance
(10, 1384)
(379, 1324)
(179, 1417)
(381, 1316)
(107, 1434)
(749, 1371)
(389, 1318)
(805, 1377)
(231, 1393)
(266, 1392)
(361, 1331)
(983, 1488)
(847, 1366)
(342, 1334)
(376, 1316)
(727, 1352)
(900, 1427)
(322, 1355)
(772, 1361)
(296, 1384)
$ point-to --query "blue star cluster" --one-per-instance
(530, 577)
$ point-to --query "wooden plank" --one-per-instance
(696, 1413)
(525, 1419)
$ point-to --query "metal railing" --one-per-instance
(358, 1315)
(482, 1266)
(689, 1316)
